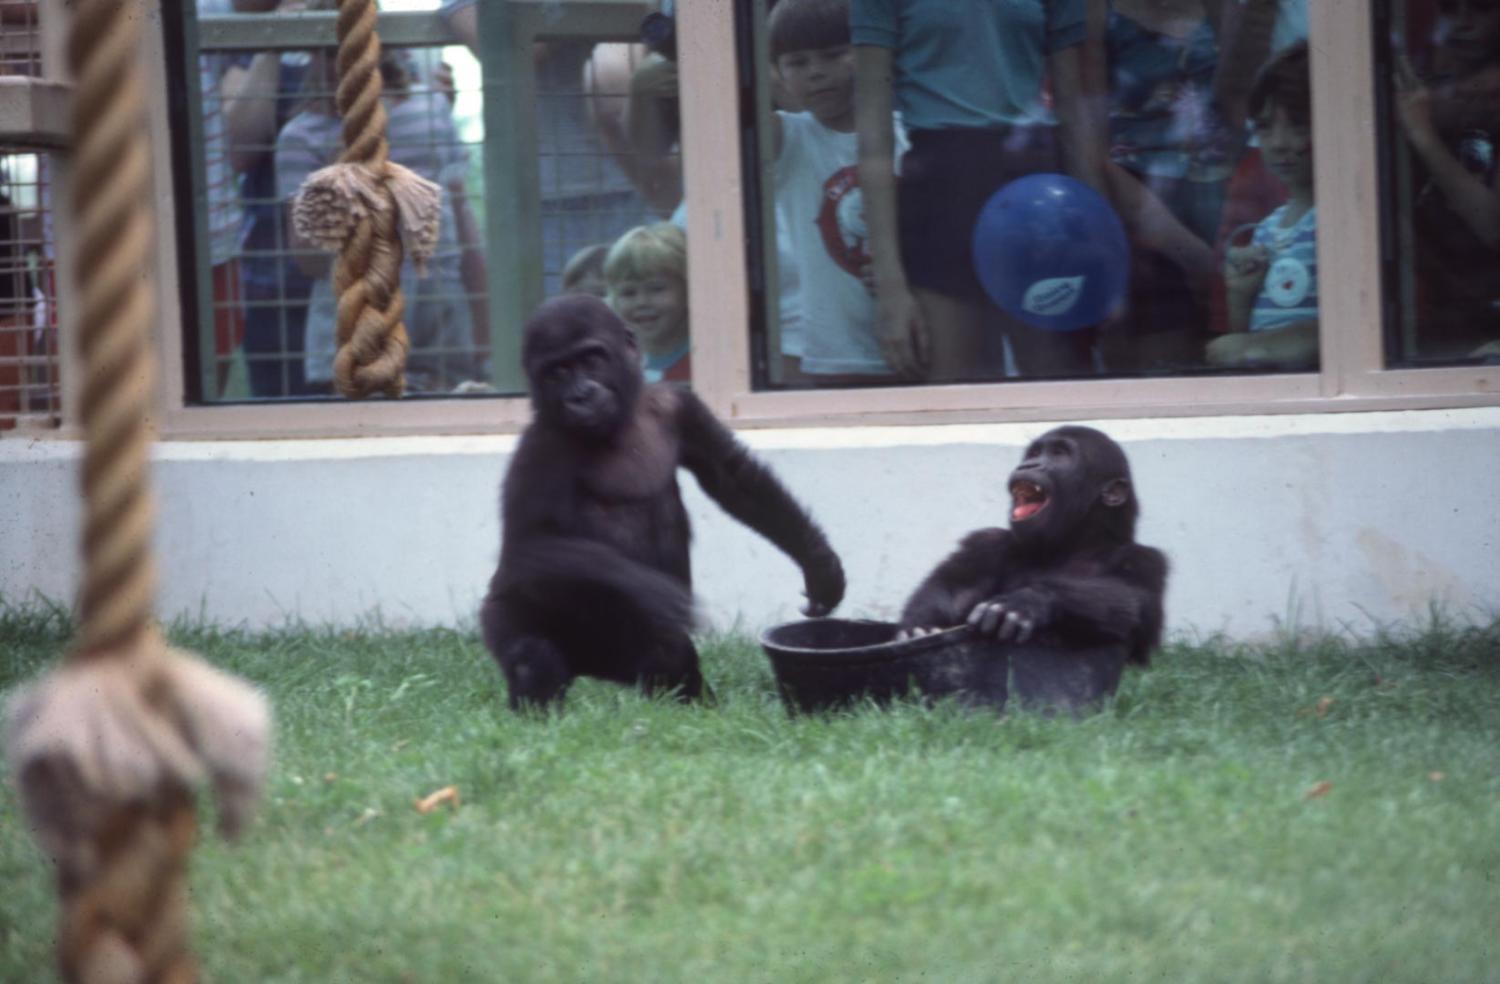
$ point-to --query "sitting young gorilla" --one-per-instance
(1068, 571)
(593, 577)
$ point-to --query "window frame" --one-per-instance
(1352, 376)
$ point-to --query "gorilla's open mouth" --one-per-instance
(1028, 499)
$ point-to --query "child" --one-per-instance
(1272, 283)
(438, 317)
(584, 273)
(818, 194)
(646, 271)
(1453, 128)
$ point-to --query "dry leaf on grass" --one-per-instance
(1318, 791)
(430, 802)
(1437, 776)
(1318, 710)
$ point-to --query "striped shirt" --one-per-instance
(1289, 292)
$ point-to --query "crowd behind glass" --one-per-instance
(894, 121)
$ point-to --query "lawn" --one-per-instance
(1307, 810)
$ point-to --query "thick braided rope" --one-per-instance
(372, 340)
(124, 906)
(107, 748)
(112, 182)
(128, 923)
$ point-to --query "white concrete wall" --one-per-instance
(1331, 519)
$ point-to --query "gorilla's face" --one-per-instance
(583, 366)
(581, 391)
(1071, 481)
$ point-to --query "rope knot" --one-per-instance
(370, 214)
(334, 200)
(105, 752)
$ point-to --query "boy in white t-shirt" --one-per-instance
(817, 191)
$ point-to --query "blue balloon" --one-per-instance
(1050, 250)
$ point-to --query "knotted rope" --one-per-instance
(107, 748)
(361, 207)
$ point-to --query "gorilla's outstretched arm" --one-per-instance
(747, 490)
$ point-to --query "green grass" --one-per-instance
(1169, 837)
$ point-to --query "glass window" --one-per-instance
(1442, 183)
(28, 312)
(635, 238)
(951, 205)
(575, 163)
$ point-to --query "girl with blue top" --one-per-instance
(967, 81)
(1272, 283)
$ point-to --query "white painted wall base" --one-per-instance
(1328, 519)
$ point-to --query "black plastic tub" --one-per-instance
(821, 664)
(829, 662)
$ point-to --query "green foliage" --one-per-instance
(1177, 835)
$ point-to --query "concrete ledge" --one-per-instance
(1324, 519)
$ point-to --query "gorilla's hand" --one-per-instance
(1012, 617)
(823, 583)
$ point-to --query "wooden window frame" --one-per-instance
(1352, 377)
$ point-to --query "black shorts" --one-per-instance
(946, 178)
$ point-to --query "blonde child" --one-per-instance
(646, 273)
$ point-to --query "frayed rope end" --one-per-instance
(114, 729)
(334, 199)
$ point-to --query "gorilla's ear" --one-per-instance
(1116, 493)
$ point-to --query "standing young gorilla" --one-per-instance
(1068, 571)
(594, 577)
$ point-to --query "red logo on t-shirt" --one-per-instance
(841, 220)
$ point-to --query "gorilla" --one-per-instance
(594, 576)
(1068, 573)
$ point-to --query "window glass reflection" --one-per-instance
(1187, 122)
(577, 183)
(1444, 183)
(445, 338)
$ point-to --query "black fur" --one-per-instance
(1072, 574)
(594, 575)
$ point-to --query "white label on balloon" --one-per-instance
(1053, 296)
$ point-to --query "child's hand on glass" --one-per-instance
(1413, 104)
(901, 330)
(1245, 268)
(655, 78)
